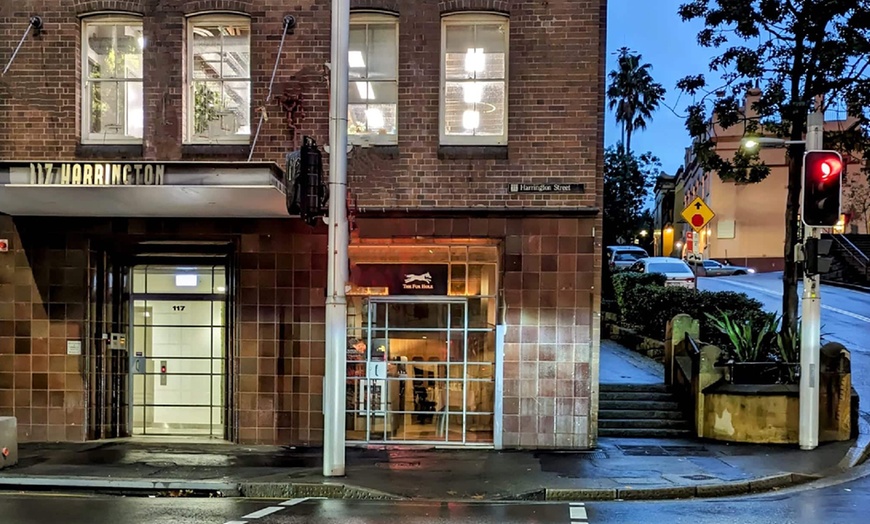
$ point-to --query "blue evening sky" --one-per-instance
(654, 29)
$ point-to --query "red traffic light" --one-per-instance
(823, 171)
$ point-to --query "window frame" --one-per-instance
(469, 18)
(364, 17)
(191, 22)
(110, 19)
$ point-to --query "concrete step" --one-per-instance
(643, 423)
(636, 395)
(645, 433)
(656, 388)
(622, 414)
(647, 405)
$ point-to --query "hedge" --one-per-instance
(648, 308)
(622, 282)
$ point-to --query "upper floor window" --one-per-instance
(474, 79)
(219, 80)
(374, 69)
(112, 101)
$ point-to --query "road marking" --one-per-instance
(263, 512)
(235, 522)
(856, 316)
(577, 512)
(293, 502)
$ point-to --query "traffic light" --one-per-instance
(308, 196)
(823, 173)
(816, 259)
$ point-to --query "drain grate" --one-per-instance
(399, 465)
(699, 477)
(643, 451)
(664, 451)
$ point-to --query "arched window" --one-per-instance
(474, 76)
(218, 79)
(373, 94)
(112, 97)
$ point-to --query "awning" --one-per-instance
(142, 189)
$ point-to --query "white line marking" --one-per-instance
(235, 522)
(263, 512)
(293, 502)
(578, 513)
(856, 316)
(577, 503)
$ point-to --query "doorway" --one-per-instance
(178, 357)
(422, 371)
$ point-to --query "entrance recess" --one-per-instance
(178, 356)
(422, 372)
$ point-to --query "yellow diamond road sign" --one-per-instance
(698, 214)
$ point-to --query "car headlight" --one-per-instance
(750, 270)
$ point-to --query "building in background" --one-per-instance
(749, 226)
(155, 283)
(664, 225)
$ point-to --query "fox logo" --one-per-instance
(426, 278)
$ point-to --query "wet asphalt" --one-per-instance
(844, 503)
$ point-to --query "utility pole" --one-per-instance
(811, 311)
(337, 269)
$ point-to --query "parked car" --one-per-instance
(677, 272)
(622, 257)
(714, 268)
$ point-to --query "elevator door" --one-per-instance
(178, 357)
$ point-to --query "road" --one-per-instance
(845, 317)
(845, 503)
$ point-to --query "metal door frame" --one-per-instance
(192, 297)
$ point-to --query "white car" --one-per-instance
(677, 272)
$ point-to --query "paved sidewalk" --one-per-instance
(620, 365)
(619, 468)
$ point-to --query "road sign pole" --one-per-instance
(810, 328)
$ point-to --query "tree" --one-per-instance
(633, 94)
(627, 180)
(858, 199)
(796, 53)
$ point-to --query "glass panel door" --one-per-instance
(179, 354)
(409, 375)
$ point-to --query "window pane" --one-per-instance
(114, 51)
(206, 52)
(493, 66)
(454, 110)
(236, 51)
(235, 116)
(491, 109)
(357, 51)
(491, 37)
(372, 119)
(459, 38)
(206, 107)
(382, 53)
(107, 109)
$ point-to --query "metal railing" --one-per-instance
(862, 260)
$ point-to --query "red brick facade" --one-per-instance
(552, 262)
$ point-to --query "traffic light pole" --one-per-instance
(334, 393)
(810, 328)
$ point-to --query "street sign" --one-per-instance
(698, 214)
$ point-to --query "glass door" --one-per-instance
(178, 359)
(418, 374)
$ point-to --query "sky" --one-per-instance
(654, 29)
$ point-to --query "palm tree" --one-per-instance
(633, 94)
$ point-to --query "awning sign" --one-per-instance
(89, 174)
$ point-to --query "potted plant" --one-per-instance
(749, 357)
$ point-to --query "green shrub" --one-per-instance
(624, 281)
(749, 341)
(648, 308)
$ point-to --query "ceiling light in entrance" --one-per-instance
(186, 280)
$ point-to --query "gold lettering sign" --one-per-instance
(78, 174)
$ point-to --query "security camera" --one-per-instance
(289, 23)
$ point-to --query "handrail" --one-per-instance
(693, 346)
(846, 247)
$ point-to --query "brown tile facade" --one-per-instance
(277, 354)
(551, 300)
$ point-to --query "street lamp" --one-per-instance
(752, 143)
(644, 233)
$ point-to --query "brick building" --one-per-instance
(155, 284)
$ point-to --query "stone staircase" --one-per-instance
(641, 411)
(851, 255)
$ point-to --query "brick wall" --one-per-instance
(556, 71)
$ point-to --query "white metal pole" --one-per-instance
(811, 312)
(336, 302)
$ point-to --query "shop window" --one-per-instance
(474, 91)
(219, 80)
(112, 97)
(373, 91)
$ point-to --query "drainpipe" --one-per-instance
(337, 271)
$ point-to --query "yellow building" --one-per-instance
(749, 226)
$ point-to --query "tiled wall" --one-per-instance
(43, 303)
(550, 273)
